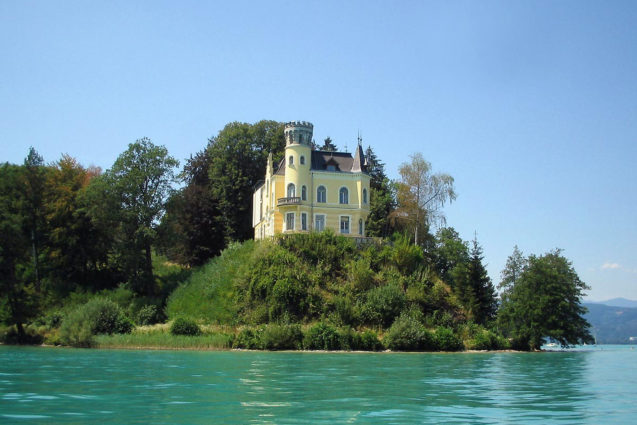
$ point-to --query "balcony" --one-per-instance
(288, 201)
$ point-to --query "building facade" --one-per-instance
(312, 190)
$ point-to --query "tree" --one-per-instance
(512, 270)
(545, 301)
(34, 185)
(421, 194)
(474, 288)
(19, 295)
(382, 197)
(191, 229)
(328, 145)
(131, 198)
(450, 253)
(239, 155)
(76, 247)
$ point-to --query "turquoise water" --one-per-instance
(74, 386)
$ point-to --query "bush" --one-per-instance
(487, 340)
(281, 337)
(147, 315)
(97, 316)
(357, 341)
(185, 326)
(446, 340)
(383, 304)
(321, 336)
(31, 336)
(407, 334)
(246, 339)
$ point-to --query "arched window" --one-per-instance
(291, 190)
(364, 196)
(291, 160)
(321, 194)
(302, 160)
(360, 226)
(343, 196)
(303, 192)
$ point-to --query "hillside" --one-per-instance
(612, 325)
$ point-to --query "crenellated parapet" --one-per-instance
(298, 132)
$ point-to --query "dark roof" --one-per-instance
(343, 161)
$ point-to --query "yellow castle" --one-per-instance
(312, 190)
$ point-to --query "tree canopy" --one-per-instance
(545, 301)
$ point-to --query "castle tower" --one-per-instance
(298, 159)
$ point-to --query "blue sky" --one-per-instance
(531, 106)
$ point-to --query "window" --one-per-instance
(289, 221)
(344, 224)
(291, 160)
(321, 194)
(364, 196)
(360, 226)
(331, 168)
(343, 196)
(303, 193)
(319, 222)
(302, 160)
(303, 221)
(291, 190)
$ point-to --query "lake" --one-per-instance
(75, 386)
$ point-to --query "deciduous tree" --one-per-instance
(545, 301)
(422, 194)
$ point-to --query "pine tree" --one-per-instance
(382, 197)
(328, 146)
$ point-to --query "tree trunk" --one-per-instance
(148, 270)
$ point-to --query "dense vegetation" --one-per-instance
(92, 258)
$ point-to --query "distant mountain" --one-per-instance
(612, 325)
(619, 302)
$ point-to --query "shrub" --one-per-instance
(383, 304)
(446, 340)
(321, 336)
(185, 326)
(281, 337)
(246, 339)
(98, 316)
(487, 340)
(407, 334)
(147, 315)
(31, 336)
(357, 341)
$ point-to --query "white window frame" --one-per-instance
(291, 160)
(317, 195)
(303, 221)
(287, 221)
(361, 227)
(365, 196)
(293, 186)
(346, 194)
(303, 193)
(302, 160)
(349, 224)
(324, 216)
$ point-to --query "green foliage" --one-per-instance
(322, 336)
(147, 315)
(446, 340)
(129, 199)
(185, 326)
(246, 339)
(97, 316)
(276, 336)
(545, 301)
(239, 155)
(408, 334)
(382, 198)
(382, 305)
(351, 340)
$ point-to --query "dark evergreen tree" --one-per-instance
(328, 145)
(484, 305)
(382, 197)
(34, 189)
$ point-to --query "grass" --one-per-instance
(208, 294)
(159, 337)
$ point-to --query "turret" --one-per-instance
(298, 132)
